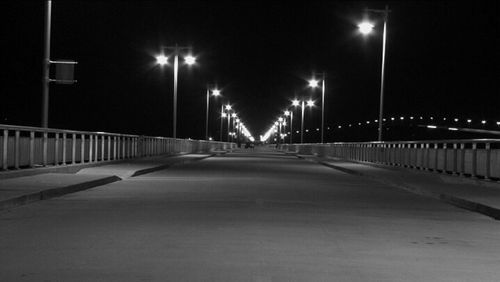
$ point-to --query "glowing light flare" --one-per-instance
(310, 103)
(295, 103)
(215, 92)
(162, 60)
(313, 83)
(190, 60)
(365, 28)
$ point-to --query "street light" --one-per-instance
(313, 83)
(163, 60)
(215, 93)
(295, 103)
(366, 28)
(290, 114)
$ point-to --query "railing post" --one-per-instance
(436, 150)
(56, 149)
(462, 159)
(455, 158)
(445, 158)
(487, 147)
(5, 143)
(44, 147)
(64, 148)
(82, 148)
(73, 148)
(109, 147)
(474, 160)
(91, 147)
(32, 149)
(17, 152)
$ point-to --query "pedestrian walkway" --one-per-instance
(473, 194)
(16, 191)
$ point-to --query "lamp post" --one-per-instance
(228, 109)
(314, 83)
(163, 60)
(366, 28)
(290, 114)
(215, 93)
(295, 103)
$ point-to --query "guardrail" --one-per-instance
(27, 147)
(475, 158)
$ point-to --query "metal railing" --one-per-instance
(475, 158)
(28, 147)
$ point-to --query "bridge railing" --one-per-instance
(27, 147)
(475, 158)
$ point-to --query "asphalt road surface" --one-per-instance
(247, 216)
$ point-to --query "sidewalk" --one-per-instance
(480, 196)
(26, 189)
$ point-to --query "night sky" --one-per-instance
(442, 60)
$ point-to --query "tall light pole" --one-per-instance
(290, 114)
(215, 93)
(366, 28)
(314, 83)
(228, 109)
(222, 116)
(163, 60)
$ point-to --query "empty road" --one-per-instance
(247, 216)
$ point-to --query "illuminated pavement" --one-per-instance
(247, 216)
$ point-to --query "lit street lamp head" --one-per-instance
(190, 60)
(313, 83)
(295, 103)
(162, 60)
(216, 92)
(228, 107)
(310, 103)
(287, 113)
(365, 27)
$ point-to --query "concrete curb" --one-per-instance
(55, 192)
(59, 191)
(156, 168)
(449, 199)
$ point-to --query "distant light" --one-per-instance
(456, 119)
(233, 115)
(295, 102)
(297, 131)
(365, 27)
(444, 118)
(338, 126)
(367, 122)
(469, 120)
(238, 120)
(411, 117)
(483, 122)
(228, 107)
(317, 129)
(375, 120)
(287, 113)
(190, 60)
(432, 126)
(216, 92)
(224, 115)
(498, 122)
(307, 130)
(280, 119)
(453, 128)
(313, 83)
(210, 138)
(162, 60)
(431, 118)
(392, 118)
(310, 103)
(402, 118)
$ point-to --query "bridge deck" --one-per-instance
(247, 216)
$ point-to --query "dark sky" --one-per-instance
(442, 59)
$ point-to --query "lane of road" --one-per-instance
(247, 216)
